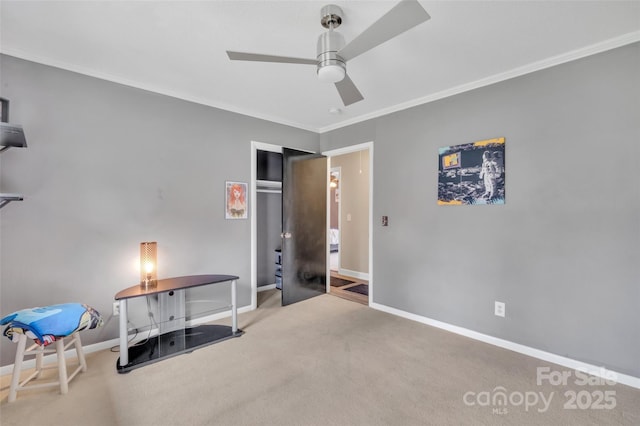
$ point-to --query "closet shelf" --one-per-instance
(268, 186)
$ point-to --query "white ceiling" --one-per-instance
(178, 48)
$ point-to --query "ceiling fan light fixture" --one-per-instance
(332, 52)
(331, 67)
(331, 73)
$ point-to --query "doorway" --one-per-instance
(349, 224)
(366, 161)
(288, 222)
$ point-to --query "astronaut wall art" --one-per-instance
(472, 173)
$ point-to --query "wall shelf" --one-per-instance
(7, 198)
(11, 135)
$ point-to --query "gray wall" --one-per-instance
(109, 166)
(563, 253)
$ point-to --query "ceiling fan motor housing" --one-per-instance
(329, 43)
(331, 67)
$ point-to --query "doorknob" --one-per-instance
(286, 235)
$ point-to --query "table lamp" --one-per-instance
(148, 264)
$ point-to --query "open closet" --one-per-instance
(289, 213)
(268, 218)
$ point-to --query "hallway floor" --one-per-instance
(349, 295)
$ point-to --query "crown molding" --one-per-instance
(152, 88)
(573, 55)
(516, 72)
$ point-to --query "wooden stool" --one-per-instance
(56, 325)
(38, 351)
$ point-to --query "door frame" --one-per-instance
(349, 150)
(331, 170)
(255, 147)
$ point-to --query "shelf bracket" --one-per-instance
(7, 198)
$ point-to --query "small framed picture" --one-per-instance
(235, 200)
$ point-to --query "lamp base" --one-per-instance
(147, 284)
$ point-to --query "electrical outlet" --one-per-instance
(500, 309)
(116, 309)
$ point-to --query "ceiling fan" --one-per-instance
(333, 54)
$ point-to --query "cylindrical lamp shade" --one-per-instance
(148, 264)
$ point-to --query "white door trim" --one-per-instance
(331, 170)
(255, 146)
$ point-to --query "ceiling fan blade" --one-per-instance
(348, 91)
(241, 56)
(404, 16)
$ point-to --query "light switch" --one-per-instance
(348, 217)
(385, 220)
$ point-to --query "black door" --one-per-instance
(304, 225)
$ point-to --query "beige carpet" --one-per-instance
(325, 361)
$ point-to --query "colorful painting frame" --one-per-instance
(235, 200)
(472, 173)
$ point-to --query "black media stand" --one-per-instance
(178, 339)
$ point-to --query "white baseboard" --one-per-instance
(265, 287)
(354, 274)
(95, 347)
(217, 316)
(598, 371)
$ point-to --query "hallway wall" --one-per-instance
(354, 220)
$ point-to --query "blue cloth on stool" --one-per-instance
(49, 323)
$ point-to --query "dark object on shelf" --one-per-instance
(279, 269)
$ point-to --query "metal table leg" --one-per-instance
(124, 334)
(234, 308)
